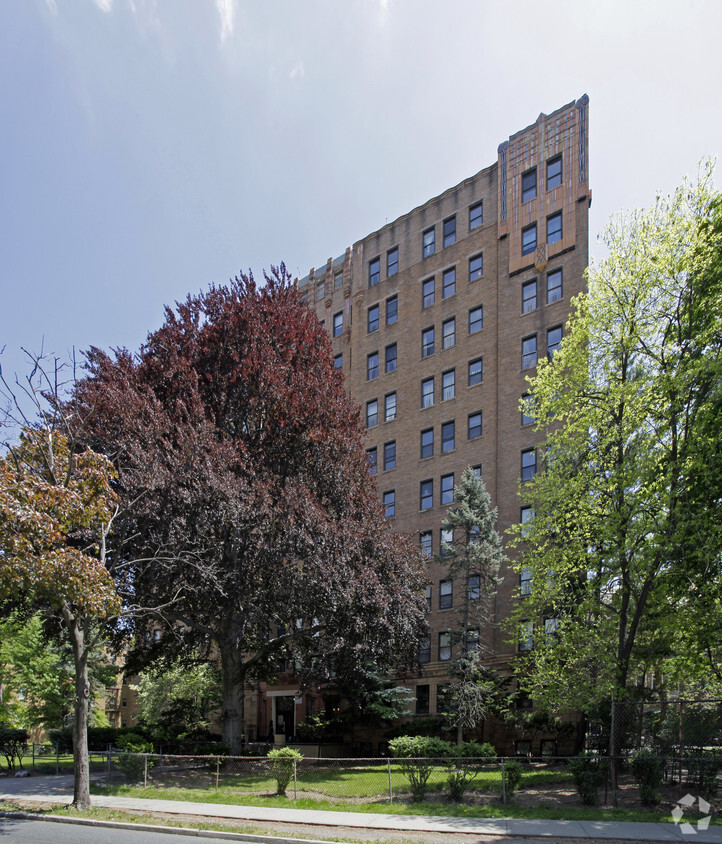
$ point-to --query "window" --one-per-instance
(390, 455)
(444, 647)
(374, 272)
(447, 437)
(525, 582)
(528, 464)
(526, 635)
(425, 650)
(320, 290)
(338, 281)
(372, 460)
(426, 539)
(391, 359)
(427, 342)
(337, 324)
(476, 371)
(427, 392)
(449, 231)
(528, 239)
(392, 310)
(528, 185)
(526, 514)
(427, 589)
(373, 319)
(476, 319)
(472, 639)
(474, 587)
(429, 242)
(528, 352)
(372, 366)
(449, 333)
(422, 698)
(554, 286)
(446, 540)
(476, 215)
(476, 267)
(447, 488)
(304, 297)
(554, 172)
(449, 283)
(527, 409)
(427, 443)
(390, 503)
(528, 296)
(446, 594)
(474, 425)
(554, 340)
(554, 228)
(551, 630)
(427, 292)
(392, 261)
(372, 413)
(448, 385)
(338, 360)
(390, 407)
(477, 470)
(426, 495)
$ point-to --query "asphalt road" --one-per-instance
(43, 832)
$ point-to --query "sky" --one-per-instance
(149, 148)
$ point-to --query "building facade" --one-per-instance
(436, 319)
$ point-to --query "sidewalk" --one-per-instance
(58, 789)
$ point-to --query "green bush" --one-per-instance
(513, 773)
(465, 763)
(13, 745)
(133, 764)
(282, 761)
(647, 771)
(589, 773)
(417, 756)
(702, 769)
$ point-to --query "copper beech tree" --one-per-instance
(243, 458)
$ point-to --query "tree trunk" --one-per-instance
(81, 765)
(233, 695)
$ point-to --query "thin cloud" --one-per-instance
(226, 10)
(298, 71)
(104, 5)
(52, 6)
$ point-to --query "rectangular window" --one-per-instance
(391, 358)
(554, 286)
(446, 594)
(449, 283)
(426, 540)
(474, 587)
(390, 407)
(528, 185)
(449, 333)
(392, 261)
(525, 582)
(427, 443)
(476, 319)
(449, 231)
(554, 172)
(448, 385)
(338, 360)
(554, 340)
(528, 239)
(476, 267)
(371, 456)
(444, 647)
(448, 437)
(337, 324)
(554, 228)
(372, 366)
(526, 635)
(426, 495)
(338, 281)
(526, 514)
(476, 215)
(390, 503)
(427, 342)
(422, 699)
(472, 639)
(527, 409)
(372, 413)
(551, 631)
(477, 470)
(528, 464)
(373, 319)
(446, 541)
(476, 371)
(304, 297)
(427, 392)
(425, 650)
(474, 425)
(528, 296)
(528, 352)
(390, 455)
(427, 292)
(427, 589)
(447, 488)
(320, 290)
(392, 310)
(374, 272)
(429, 242)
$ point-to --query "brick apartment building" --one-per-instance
(436, 319)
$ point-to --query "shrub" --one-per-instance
(132, 763)
(647, 771)
(589, 773)
(467, 759)
(13, 745)
(702, 771)
(282, 761)
(513, 773)
(417, 756)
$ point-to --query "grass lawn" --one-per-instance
(47, 763)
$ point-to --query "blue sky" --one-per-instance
(151, 147)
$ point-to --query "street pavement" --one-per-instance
(58, 789)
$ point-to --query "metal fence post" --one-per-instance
(218, 770)
(391, 791)
(33, 756)
(57, 758)
(110, 753)
(503, 782)
(294, 778)
(145, 771)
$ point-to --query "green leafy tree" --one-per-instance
(624, 545)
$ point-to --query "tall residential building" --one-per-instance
(436, 319)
